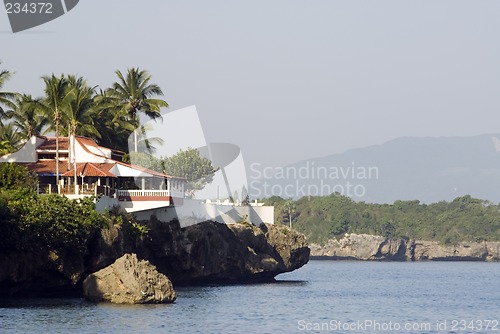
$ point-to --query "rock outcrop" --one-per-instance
(377, 248)
(208, 252)
(129, 281)
(464, 251)
(361, 247)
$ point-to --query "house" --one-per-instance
(85, 168)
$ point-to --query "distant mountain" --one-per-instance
(408, 168)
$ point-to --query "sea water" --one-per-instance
(321, 297)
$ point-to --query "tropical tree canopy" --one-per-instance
(79, 115)
(6, 98)
(133, 93)
(189, 164)
(27, 117)
(70, 106)
(10, 139)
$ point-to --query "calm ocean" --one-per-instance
(321, 297)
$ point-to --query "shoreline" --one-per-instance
(366, 247)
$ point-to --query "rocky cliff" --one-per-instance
(208, 252)
(377, 248)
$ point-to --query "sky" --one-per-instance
(285, 80)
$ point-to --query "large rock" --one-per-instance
(211, 252)
(129, 281)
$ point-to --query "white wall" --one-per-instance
(26, 154)
(193, 212)
(139, 206)
(106, 202)
(82, 155)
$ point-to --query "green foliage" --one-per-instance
(127, 221)
(289, 213)
(71, 106)
(6, 98)
(10, 138)
(463, 219)
(134, 93)
(244, 219)
(49, 221)
(27, 117)
(13, 176)
(189, 164)
(146, 160)
(140, 229)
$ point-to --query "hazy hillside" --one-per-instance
(322, 218)
(427, 169)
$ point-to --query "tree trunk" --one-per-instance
(56, 116)
(73, 157)
(135, 140)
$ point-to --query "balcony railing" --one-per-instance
(142, 193)
(107, 191)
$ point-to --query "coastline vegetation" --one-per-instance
(322, 218)
(32, 222)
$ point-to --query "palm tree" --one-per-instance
(10, 140)
(57, 97)
(289, 211)
(114, 125)
(145, 143)
(27, 116)
(79, 116)
(134, 93)
(6, 98)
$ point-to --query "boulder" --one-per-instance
(129, 281)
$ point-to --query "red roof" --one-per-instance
(46, 167)
(50, 144)
(90, 169)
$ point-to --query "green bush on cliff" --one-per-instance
(51, 221)
(131, 227)
(463, 219)
(58, 221)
